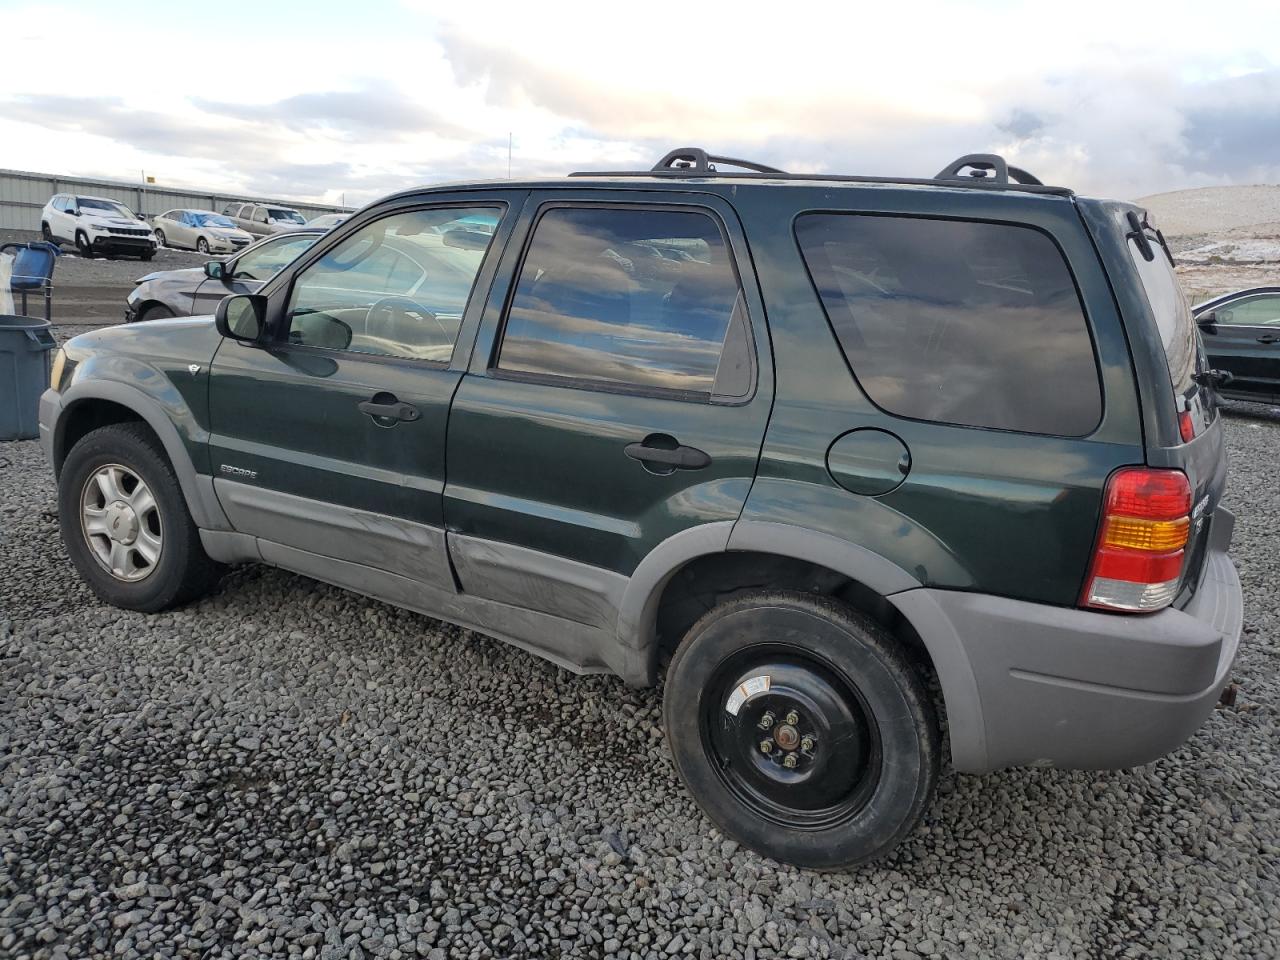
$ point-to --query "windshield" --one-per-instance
(104, 208)
(211, 220)
(284, 216)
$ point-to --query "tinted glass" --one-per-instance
(1178, 333)
(396, 287)
(264, 262)
(977, 324)
(1253, 312)
(107, 208)
(636, 297)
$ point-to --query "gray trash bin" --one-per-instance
(26, 345)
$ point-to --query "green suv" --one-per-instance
(833, 458)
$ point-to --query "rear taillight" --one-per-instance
(1186, 426)
(1146, 519)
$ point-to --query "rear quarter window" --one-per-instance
(953, 321)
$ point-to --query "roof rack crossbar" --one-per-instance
(987, 171)
(983, 165)
(699, 161)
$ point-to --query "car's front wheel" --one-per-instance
(157, 311)
(125, 523)
(801, 729)
(202, 245)
(83, 246)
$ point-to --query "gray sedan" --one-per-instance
(194, 291)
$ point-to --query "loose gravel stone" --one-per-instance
(288, 770)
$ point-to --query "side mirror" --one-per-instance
(1207, 319)
(241, 317)
(214, 269)
(141, 217)
(74, 213)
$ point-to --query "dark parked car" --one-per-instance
(195, 290)
(812, 447)
(1241, 333)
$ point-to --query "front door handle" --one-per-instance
(664, 454)
(1268, 338)
(386, 407)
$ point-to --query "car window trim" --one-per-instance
(279, 335)
(1066, 262)
(1245, 298)
(612, 387)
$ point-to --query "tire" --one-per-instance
(181, 570)
(83, 246)
(160, 241)
(202, 245)
(820, 673)
(46, 234)
(157, 311)
(147, 255)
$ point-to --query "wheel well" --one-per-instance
(87, 416)
(707, 581)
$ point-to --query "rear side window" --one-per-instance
(630, 298)
(1178, 333)
(963, 322)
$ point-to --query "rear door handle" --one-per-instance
(1268, 338)
(663, 454)
(385, 406)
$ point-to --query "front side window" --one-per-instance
(259, 215)
(396, 287)
(265, 261)
(625, 297)
(952, 321)
(1261, 311)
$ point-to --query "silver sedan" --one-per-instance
(200, 230)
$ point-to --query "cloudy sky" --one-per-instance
(331, 101)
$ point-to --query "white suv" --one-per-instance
(96, 225)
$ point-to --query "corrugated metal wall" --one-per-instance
(23, 195)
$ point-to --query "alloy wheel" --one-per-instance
(121, 522)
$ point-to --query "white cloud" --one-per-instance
(1121, 99)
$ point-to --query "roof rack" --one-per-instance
(986, 171)
(699, 161)
(982, 165)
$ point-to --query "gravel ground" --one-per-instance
(285, 769)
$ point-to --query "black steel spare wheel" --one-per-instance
(801, 729)
(791, 737)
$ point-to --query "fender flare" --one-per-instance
(205, 510)
(637, 614)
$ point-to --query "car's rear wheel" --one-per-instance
(125, 523)
(202, 245)
(46, 233)
(83, 246)
(157, 311)
(801, 729)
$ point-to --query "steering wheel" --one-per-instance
(389, 309)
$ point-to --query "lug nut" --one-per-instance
(793, 718)
(806, 744)
(766, 721)
(789, 761)
(766, 746)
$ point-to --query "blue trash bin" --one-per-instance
(26, 345)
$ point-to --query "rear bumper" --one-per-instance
(1030, 684)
